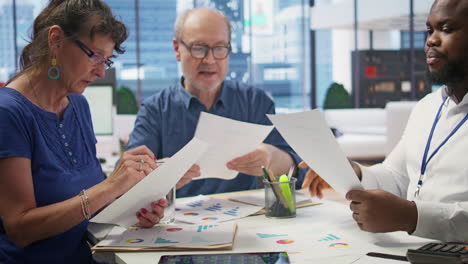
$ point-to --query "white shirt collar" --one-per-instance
(445, 94)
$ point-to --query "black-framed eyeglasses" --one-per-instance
(200, 51)
(93, 56)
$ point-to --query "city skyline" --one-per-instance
(268, 43)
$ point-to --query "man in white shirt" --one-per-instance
(422, 186)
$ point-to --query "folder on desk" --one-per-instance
(169, 237)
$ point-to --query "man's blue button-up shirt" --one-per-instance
(167, 121)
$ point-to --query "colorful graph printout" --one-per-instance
(285, 241)
(202, 228)
(329, 237)
(134, 240)
(196, 203)
(184, 235)
(339, 245)
(191, 214)
(269, 235)
(210, 218)
(174, 229)
(232, 212)
(160, 240)
(201, 209)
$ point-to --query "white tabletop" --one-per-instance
(314, 232)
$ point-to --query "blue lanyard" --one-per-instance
(425, 160)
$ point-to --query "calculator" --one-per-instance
(439, 253)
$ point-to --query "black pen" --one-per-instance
(386, 256)
(265, 174)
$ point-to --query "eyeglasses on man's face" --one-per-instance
(93, 56)
(200, 51)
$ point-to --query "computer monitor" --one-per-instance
(101, 103)
(101, 96)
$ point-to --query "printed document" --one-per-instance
(152, 188)
(227, 139)
(309, 135)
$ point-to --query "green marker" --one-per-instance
(287, 192)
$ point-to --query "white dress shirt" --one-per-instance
(442, 202)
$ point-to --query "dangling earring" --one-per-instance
(52, 68)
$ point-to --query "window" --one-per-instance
(373, 55)
(269, 46)
(270, 42)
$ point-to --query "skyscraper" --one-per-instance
(157, 59)
(240, 56)
(24, 20)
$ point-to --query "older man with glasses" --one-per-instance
(167, 120)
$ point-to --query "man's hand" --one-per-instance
(313, 182)
(193, 172)
(251, 163)
(379, 211)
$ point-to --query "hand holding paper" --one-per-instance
(313, 182)
(309, 135)
(154, 186)
(227, 139)
(252, 162)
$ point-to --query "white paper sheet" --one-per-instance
(227, 139)
(299, 242)
(309, 135)
(178, 235)
(204, 210)
(153, 187)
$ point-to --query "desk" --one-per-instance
(311, 225)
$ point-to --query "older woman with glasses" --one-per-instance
(51, 182)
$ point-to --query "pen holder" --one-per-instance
(280, 198)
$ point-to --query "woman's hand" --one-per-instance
(148, 218)
(313, 182)
(134, 165)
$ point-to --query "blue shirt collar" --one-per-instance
(188, 98)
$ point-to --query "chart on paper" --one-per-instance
(204, 210)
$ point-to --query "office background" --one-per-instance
(294, 49)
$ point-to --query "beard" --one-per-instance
(452, 72)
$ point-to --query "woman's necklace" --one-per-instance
(38, 102)
(36, 98)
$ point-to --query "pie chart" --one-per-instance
(339, 245)
(191, 214)
(285, 241)
(135, 240)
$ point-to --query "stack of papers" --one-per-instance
(169, 237)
